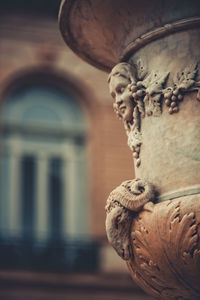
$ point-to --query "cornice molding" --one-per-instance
(158, 33)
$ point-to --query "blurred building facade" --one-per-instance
(62, 152)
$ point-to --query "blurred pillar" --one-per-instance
(69, 191)
(15, 212)
(74, 213)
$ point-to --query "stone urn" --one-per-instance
(151, 50)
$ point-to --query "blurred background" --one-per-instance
(62, 151)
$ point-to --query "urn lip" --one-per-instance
(105, 32)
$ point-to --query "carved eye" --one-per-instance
(120, 89)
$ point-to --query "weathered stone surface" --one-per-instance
(155, 84)
(101, 32)
(166, 247)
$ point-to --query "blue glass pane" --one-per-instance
(43, 106)
(4, 194)
(40, 113)
(55, 189)
(28, 189)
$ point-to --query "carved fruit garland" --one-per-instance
(182, 83)
(147, 92)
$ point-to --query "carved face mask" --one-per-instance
(119, 90)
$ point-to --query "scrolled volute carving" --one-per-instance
(122, 204)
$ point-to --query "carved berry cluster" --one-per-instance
(172, 99)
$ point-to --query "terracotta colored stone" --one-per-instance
(152, 221)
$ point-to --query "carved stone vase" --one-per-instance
(152, 51)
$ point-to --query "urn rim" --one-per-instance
(103, 32)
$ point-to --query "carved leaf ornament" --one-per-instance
(160, 242)
(168, 267)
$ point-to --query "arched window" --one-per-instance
(43, 183)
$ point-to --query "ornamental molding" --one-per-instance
(158, 33)
(139, 93)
